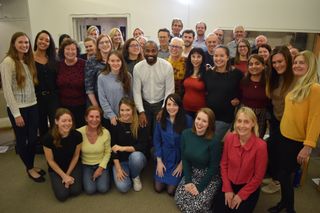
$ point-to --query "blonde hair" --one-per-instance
(303, 84)
(252, 116)
(112, 34)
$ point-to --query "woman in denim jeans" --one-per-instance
(129, 145)
(95, 152)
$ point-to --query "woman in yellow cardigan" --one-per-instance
(299, 126)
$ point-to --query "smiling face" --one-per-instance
(279, 63)
(70, 52)
(243, 49)
(137, 32)
(201, 29)
(126, 113)
(201, 123)
(211, 42)
(176, 47)
(90, 48)
(134, 48)
(64, 124)
(172, 108)
(93, 119)
(188, 39)
(164, 38)
(176, 27)
(244, 125)
(43, 41)
(104, 45)
(117, 38)
(22, 45)
(150, 53)
(220, 58)
(115, 63)
(264, 52)
(255, 67)
(196, 60)
(300, 66)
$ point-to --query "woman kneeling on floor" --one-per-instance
(243, 165)
(62, 148)
(200, 154)
(95, 152)
(129, 145)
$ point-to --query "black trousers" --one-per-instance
(47, 106)
(78, 114)
(60, 191)
(246, 206)
(272, 145)
(287, 153)
(26, 136)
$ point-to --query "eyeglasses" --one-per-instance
(134, 45)
(104, 42)
(176, 47)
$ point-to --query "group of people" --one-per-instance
(203, 107)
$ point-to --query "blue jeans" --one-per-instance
(101, 184)
(221, 129)
(133, 167)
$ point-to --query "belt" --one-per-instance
(44, 93)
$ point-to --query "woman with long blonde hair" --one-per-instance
(129, 147)
(19, 77)
(117, 38)
(299, 127)
(243, 164)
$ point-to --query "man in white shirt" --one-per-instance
(153, 81)
(200, 40)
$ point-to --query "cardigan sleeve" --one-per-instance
(107, 148)
(7, 68)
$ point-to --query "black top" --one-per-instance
(221, 89)
(47, 78)
(63, 155)
(121, 135)
(208, 58)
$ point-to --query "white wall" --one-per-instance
(271, 15)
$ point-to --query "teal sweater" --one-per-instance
(200, 153)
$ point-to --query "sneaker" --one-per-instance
(267, 181)
(271, 188)
(137, 186)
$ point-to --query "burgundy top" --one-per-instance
(194, 94)
(70, 82)
(243, 164)
(253, 94)
(242, 66)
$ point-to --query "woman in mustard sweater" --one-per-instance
(299, 126)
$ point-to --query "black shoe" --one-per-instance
(39, 179)
(276, 209)
(42, 172)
